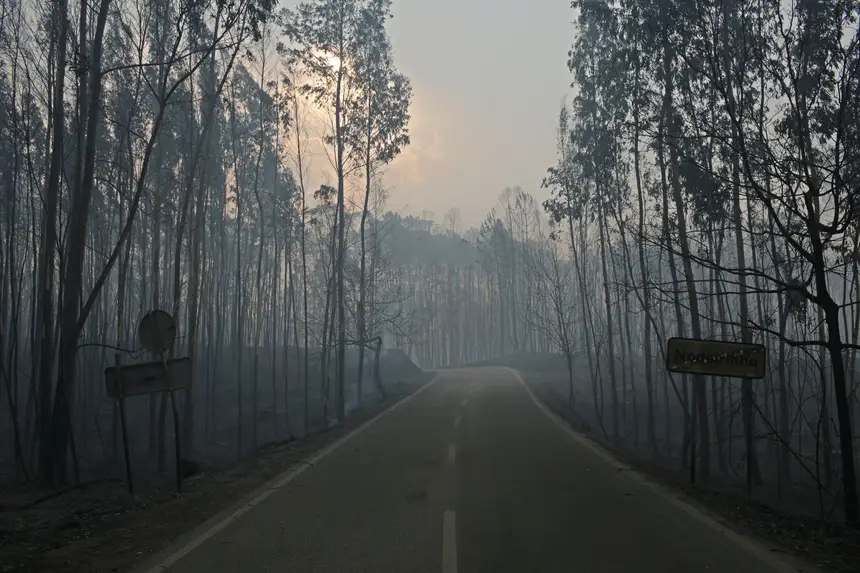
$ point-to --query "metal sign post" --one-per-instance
(157, 333)
(713, 358)
(176, 438)
(120, 398)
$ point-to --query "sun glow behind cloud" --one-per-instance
(485, 102)
(415, 168)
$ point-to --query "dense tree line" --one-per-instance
(706, 186)
(157, 155)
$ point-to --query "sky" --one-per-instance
(488, 77)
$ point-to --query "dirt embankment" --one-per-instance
(99, 527)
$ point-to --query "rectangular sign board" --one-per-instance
(715, 358)
(148, 378)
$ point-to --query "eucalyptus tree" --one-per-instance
(292, 108)
(600, 109)
(637, 60)
(45, 287)
(381, 115)
(554, 287)
(324, 36)
(801, 170)
(179, 60)
(190, 207)
(753, 143)
(568, 202)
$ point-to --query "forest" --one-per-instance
(157, 155)
(706, 186)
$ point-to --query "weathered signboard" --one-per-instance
(148, 377)
(715, 358)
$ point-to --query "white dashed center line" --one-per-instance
(449, 542)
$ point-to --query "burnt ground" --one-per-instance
(98, 527)
(788, 526)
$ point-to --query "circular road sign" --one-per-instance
(157, 331)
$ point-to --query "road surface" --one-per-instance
(469, 475)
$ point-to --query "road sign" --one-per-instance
(157, 331)
(716, 358)
(148, 377)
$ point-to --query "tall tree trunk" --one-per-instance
(753, 476)
(604, 240)
(44, 338)
(665, 117)
(341, 226)
(700, 406)
(752, 471)
(239, 317)
(643, 272)
(305, 325)
(783, 428)
(362, 280)
(72, 318)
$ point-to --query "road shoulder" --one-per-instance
(799, 540)
(100, 528)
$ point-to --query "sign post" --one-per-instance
(120, 398)
(713, 358)
(157, 333)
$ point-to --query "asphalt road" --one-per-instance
(471, 474)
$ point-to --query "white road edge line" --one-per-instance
(465, 401)
(449, 542)
(458, 420)
(452, 454)
(211, 527)
(751, 546)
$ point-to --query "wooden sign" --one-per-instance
(148, 377)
